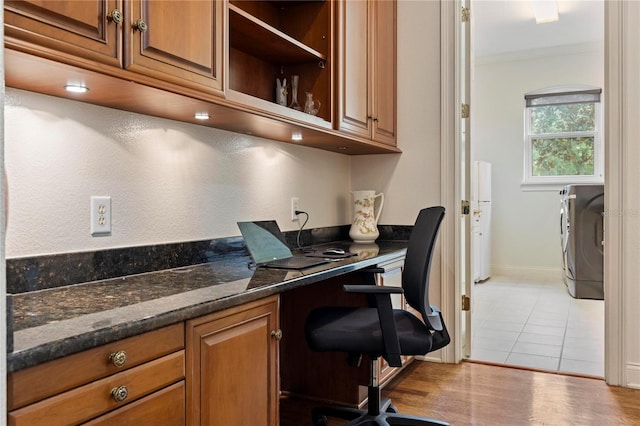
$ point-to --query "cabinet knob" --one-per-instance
(118, 358)
(115, 16)
(120, 393)
(140, 25)
(276, 334)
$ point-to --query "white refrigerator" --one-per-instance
(481, 219)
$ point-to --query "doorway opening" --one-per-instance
(522, 313)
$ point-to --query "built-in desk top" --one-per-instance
(53, 323)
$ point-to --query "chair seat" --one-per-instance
(357, 330)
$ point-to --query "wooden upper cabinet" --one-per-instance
(384, 84)
(275, 40)
(177, 41)
(185, 56)
(367, 69)
(82, 29)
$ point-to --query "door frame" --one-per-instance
(615, 265)
(621, 59)
(450, 293)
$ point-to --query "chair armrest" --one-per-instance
(371, 289)
(382, 299)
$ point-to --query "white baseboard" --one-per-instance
(520, 272)
(633, 375)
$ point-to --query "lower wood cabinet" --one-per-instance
(138, 377)
(219, 369)
(227, 373)
(232, 366)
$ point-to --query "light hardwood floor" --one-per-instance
(478, 394)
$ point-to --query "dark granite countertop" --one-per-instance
(57, 322)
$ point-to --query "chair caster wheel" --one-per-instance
(320, 421)
(392, 409)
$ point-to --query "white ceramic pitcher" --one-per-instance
(365, 220)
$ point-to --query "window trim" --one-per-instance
(552, 183)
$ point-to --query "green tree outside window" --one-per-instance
(559, 145)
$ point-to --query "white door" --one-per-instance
(463, 72)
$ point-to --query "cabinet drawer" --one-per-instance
(162, 408)
(91, 400)
(34, 384)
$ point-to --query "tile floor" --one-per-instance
(537, 325)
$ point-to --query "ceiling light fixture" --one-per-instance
(545, 11)
(76, 88)
(297, 136)
(201, 116)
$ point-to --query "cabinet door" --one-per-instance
(79, 28)
(353, 68)
(233, 367)
(177, 41)
(383, 15)
(367, 69)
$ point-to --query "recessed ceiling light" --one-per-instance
(201, 116)
(297, 136)
(76, 88)
(545, 11)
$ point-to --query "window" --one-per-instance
(563, 137)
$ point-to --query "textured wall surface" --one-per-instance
(168, 181)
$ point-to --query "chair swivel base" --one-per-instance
(387, 416)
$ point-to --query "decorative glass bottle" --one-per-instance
(294, 93)
(310, 106)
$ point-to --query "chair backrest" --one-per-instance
(417, 265)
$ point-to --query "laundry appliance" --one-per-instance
(581, 236)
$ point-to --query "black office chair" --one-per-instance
(381, 331)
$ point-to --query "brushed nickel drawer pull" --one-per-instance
(120, 393)
(140, 25)
(116, 16)
(276, 334)
(118, 358)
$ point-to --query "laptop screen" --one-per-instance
(264, 241)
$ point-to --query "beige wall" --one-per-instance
(168, 181)
(525, 233)
(411, 180)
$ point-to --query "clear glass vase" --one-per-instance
(310, 106)
(294, 93)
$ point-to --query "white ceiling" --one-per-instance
(505, 26)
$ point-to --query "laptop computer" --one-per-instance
(267, 247)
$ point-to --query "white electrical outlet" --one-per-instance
(294, 208)
(100, 215)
